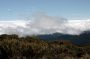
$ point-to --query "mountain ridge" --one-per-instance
(83, 38)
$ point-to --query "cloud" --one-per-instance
(44, 24)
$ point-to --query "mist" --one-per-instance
(44, 24)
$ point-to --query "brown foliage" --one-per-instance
(14, 47)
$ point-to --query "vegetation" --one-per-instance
(14, 47)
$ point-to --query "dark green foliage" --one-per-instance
(14, 47)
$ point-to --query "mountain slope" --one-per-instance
(83, 38)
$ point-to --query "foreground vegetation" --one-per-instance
(14, 47)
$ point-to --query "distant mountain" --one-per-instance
(83, 38)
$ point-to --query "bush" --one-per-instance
(14, 47)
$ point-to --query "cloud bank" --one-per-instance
(44, 24)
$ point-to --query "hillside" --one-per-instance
(81, 39)
(14, 47)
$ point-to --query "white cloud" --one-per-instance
(44, 24)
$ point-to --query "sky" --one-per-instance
(31, 17)
(21, 9)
